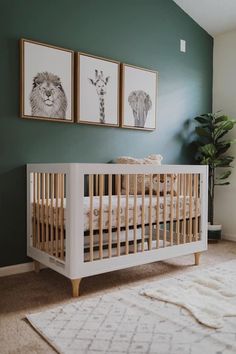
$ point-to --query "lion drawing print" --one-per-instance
(100, 84)
(140, 103)
(47, 98)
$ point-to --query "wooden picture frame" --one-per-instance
(138, 97)
(97, 90)
(46, 82)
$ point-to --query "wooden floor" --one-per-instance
(30, 292)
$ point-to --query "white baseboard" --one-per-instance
(17, 269)
(229, 237)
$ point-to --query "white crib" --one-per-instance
(86, 219)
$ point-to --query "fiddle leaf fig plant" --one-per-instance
(212, 151)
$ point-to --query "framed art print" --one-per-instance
(47, 82)
(139, 98)
(97, 90)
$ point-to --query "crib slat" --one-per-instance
(196, 208)
(34, 209)
(47, 214)
(171, 208)
(143, 212)
(190, 207)
(42, 208)
(135, 213)
(118, 186)
(101, 186)
(127, 215)
(150, 212)
(52, 214)
(91, 241)
(38, 210)
(184, 206)
(57, 211)
(62, 215)
(158, 212)
(110, 216)
(96, 184)
(177, 206)
(164, 211)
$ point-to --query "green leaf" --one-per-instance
(208, 150)
(202, 132)
(221, 149)
(202, 120)
(224, 175)
(223, 129)
(205, 161)
(229, 141)
(225, 161)
(222, 184)
(221, 119)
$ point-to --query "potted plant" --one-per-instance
(212, 148)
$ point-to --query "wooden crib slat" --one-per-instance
(57, 211)
(34, 208)
(42, 209)
(62, 216)
(47, 208)
(164, 211)
(177, 207)
(196, 208)
(184, 206)
(52, 213)
(96, 184)
(38, 210)
(110, 216)
(191, 208)
(135, 213)
(171, 208)
(143, 212)
(118, 187)
(127, 214)
(158, 213)
(91, 241)
(101, 186)
(150, 212)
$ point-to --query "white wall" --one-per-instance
(224, 98)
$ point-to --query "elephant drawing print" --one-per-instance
(98, 90)
(139, 98)
(141, 103)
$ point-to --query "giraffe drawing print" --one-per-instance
(98, 90)
(100, 82)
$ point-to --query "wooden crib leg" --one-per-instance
(36, 266)
(197, 258)
(75, 287)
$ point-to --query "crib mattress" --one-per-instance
(54, 213)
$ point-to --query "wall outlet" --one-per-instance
(183, 45)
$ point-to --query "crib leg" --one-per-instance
(36, 266)
(75, 287)
(197, 258)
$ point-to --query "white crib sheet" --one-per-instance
(114, 211)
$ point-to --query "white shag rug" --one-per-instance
(208, 295)
(125, 321)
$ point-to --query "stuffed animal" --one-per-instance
(168, 184)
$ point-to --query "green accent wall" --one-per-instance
(141, 32)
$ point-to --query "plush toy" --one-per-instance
(168, 184)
